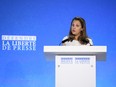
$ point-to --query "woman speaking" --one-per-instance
(77, 34)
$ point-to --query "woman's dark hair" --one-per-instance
(83, 35)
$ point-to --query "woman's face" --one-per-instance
(76, 27)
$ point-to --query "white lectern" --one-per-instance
(75, 66)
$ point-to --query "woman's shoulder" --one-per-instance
(90, 41)
(66, 37)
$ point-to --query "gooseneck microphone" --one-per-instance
(63, 41)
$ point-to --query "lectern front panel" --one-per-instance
(75, 71)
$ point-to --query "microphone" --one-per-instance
(64, 41)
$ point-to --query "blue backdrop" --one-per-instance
(49, 21)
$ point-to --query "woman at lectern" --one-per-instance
(77, 34)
